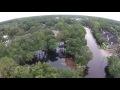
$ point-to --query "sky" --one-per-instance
(4, 16)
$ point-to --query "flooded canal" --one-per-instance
(60, 59)
(99, 60)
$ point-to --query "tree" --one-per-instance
(3, 50)
(21, 72)
(114, 66)
(100, 39)
(63, 35)
(83, 57)
(67, 73)
(5, 65)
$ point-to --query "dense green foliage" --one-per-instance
(114, 66)
(41, 71)
(28, 35)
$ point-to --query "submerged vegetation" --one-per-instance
(25, 36)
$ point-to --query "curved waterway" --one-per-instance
(99, 61)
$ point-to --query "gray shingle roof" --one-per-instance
(112, 40)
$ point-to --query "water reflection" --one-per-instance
(57, 57)
(98, 62)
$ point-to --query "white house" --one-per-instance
(5, 36)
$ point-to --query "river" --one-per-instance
(99, 60)
(96, 65)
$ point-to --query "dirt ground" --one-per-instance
(106, 53)
(70, 62)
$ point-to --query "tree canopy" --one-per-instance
(28, 35)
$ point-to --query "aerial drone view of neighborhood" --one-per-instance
(60, 46)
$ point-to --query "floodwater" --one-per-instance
(99, 61)
(57, 57)
(62, 60)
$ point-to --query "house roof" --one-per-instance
(112, 39)
(107, 34)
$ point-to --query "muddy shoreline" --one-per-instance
(98, 63)
(106, 53)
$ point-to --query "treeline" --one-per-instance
(28, 35)
(98, 24)
(39, 70)
(114, 67)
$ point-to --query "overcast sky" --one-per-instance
(11, 15)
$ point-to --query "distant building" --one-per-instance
(5, 36)
(57, 17)
(7, 42)
(55, 32)
(106, 34)
(112, 40)
(77, 19)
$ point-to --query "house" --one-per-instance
(112, 40)
(5, 36)
(7, 42)
(61, 51)
(106, 34)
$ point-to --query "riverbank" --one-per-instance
(99, 61)
(106, 53)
